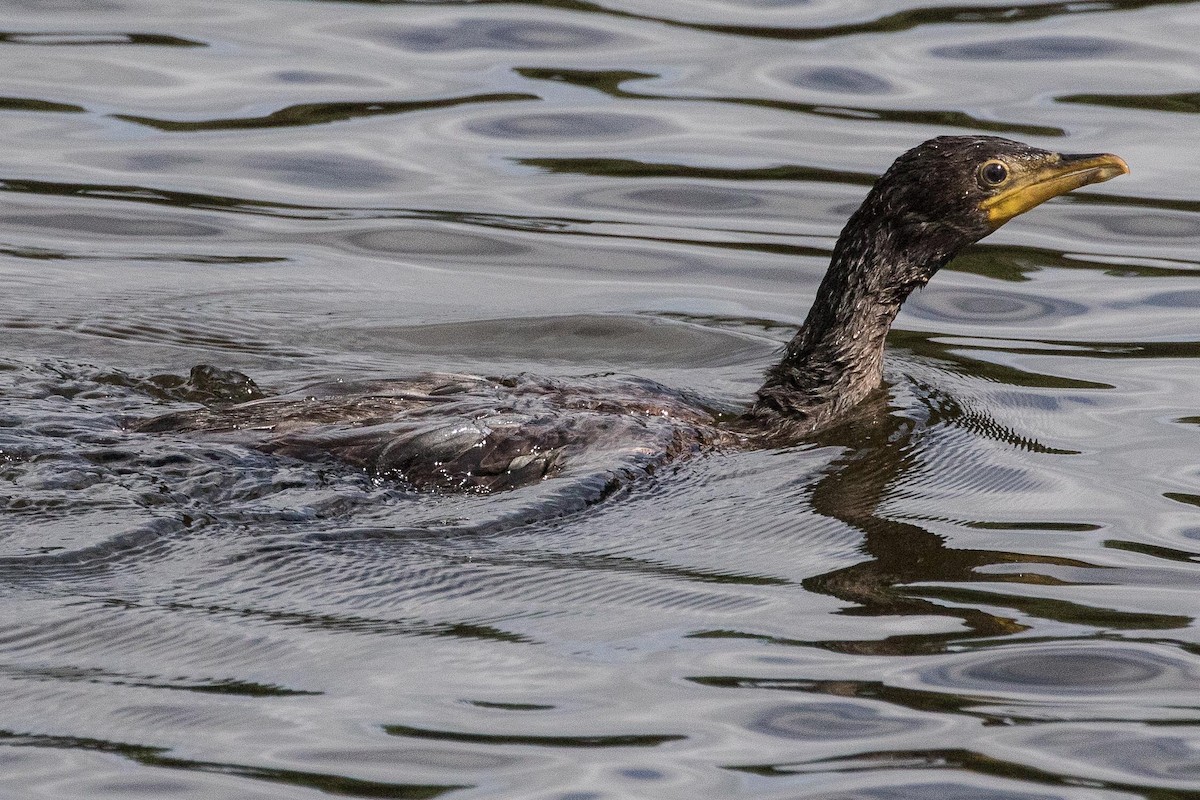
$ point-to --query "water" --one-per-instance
(992, 595)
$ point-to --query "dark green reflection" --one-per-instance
(624, 564)
(149, 194)
(133, 193)
(33, 104)
(46, 254)
(511, 706)
(1181, 103)
(1154, 550)
(80, 39)
(899, 21)
(97, 675)
(157, 757)
(1014, 262)
(1060, 610)
(1183, 497)
(632, 168)
(631, 740)
(350, 623)
(953, 352)
(320, 113)
(956, 759)
(984, 708)
(954, 355)
(1127, 202)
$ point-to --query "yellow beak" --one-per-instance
(1033, 183)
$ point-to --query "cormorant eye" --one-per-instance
(993, 173)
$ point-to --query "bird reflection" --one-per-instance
(881, 451)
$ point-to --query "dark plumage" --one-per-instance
(930, 204)
(472, 433)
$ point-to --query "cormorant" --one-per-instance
(463, 432)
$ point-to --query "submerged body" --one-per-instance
(471, 433)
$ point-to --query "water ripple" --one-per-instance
(1062, 672)
(991, 307)
(1038, 48)
(576, 125)
(611, 83)
(904, 20)
(838, 721)
(980, 590)
(77, 39)
(498, 34)
(321, 113)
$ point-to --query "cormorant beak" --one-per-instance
(1035, 182)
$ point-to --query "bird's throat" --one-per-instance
(836, 358)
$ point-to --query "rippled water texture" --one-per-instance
(991, 594)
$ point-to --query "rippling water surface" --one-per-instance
(992, 594)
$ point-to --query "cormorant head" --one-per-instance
(981, 182)
(932, 202)
(954, 190)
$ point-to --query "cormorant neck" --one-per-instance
(836, 359)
